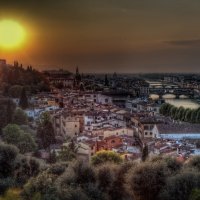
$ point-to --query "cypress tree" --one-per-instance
(145, 153)
(23, 102)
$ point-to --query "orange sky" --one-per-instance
(107, 35)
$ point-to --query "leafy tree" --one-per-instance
(118, 191)
(25, 168)
(12, 194)
(146, 181)
(173, 111)
(68, 152)
(23, 102)
(8, 154)
(106, 156)
(188, 115)
(198, 116)
(20, 117)
(179, 113)
(7, 107)
(180, 187)
(13, 134)
(5, 184)
(41, 187)
(15, 91)
(45, 131)
(194, 162)
(195, 195)
(52, 157)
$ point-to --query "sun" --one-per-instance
(12, 34)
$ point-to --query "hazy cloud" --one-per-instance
(189, 42)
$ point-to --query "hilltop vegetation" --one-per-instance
(158, 178)
(14, 78)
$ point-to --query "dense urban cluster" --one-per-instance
(66, 136)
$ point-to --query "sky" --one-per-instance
(101, 36)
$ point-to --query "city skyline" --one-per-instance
(107, 36)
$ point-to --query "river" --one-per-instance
(170, 98)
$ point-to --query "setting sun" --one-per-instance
(12, 34)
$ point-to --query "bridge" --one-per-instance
(175, 91)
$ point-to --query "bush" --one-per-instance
(180, 187)
(106, 156)
(146, 181)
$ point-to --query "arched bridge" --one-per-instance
(175, 91)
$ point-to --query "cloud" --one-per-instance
(188, 42)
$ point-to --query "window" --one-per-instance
(75, 125)
(145, 133)
(151, 133)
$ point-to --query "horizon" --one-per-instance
(106, 36)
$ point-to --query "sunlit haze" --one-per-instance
(12, 34)
(108, 35)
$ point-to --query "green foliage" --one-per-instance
(145, 153)
(8, 154)
(194, 162)
(146, 181)
(181, 114)
(23, 101)
(15, 76)
(11, 194)
(7, 108)
(15, 91)
(5, 184)
(180, 187)
(68, 152)
(45, 131)
(20, 117)
(13, 134)
(43, 186)
(195, 195)
(106, 156)
(25, 168)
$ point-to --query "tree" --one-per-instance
(13, 134)
(15, 91)
(8, 154)
(23, 102)
(194, 162)
(180, 186)
(45, 131)
(7, 107)
(188, 115)
(195, 195)
(145, 152)
(25, 168)
(179, 113)
(68, 152)
(173, 111)
(20, 117)
(106, 156)
(12, 194)
(106, 82)
(146, 181)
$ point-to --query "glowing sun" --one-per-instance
(12, 34)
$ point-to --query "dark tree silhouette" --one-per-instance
(23, 102)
